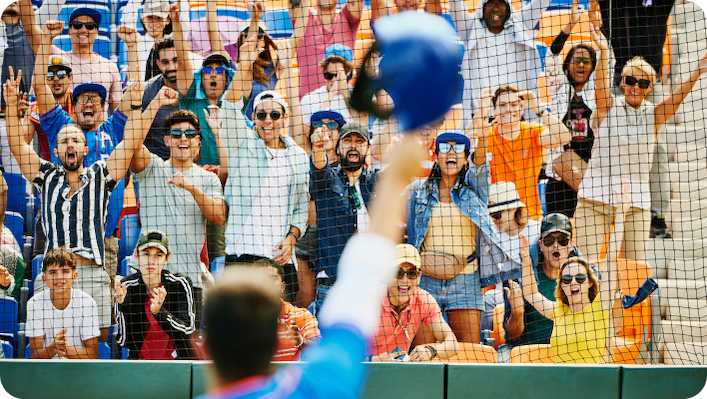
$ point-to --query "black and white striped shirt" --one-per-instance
(77, 222)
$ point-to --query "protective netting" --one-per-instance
(230, 133)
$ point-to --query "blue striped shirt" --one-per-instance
(78, 221)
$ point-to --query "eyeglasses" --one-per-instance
(567, 279)
(89, 25)
(69, 140)
(446, 147)
(274, 115)
(331, 125)
(562, 240)
(642, 83)
(61, 74)
(354, 195)
(580, 60)
(219, 70)
(412, 274)
(92, 99)
(497, 215)
(177, 134)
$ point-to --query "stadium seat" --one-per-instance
(16, 193)
(9, 327)
(104, 352)
(117, 351)
(102, 47)
(102, 8)
(470, 353)
(36, 271)
(129, 233)
(16, 224)
(553, 21)
(7, 349)
(542, 187)
(531, 354)
(278, 23)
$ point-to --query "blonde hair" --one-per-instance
(642, 65)
(591, 276)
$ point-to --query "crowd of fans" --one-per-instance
(252, 151)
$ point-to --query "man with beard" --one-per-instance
(341, 196)
(268, 184)
(167, 63)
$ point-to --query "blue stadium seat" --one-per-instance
(36, 271)
(222, 11)
(542, 188)
(542, 51)
(217, 266)
(102, 8)
(117, 351)
(16, 193)
(7, 349)
(129, 233)
(103, 351)
(16, 223)
(63, 42)
(8, 321)
(278, 23)
(102, 47)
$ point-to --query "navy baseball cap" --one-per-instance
(90, 86)
(328, 114)
(95, 15)
(455, 136)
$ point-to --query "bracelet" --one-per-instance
(135, 107)
(433, 350)
(293, 235)
(541, 113)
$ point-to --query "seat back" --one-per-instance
(36, 271)
(538, 353)
(16, 224)
(278, 23)
(16, 193)
(129, 233)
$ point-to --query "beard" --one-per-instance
(352, 166)
(74, 167)
(170, 78)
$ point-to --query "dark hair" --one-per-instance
(242, 330)
(501, 90)
(333, 59)
(59, 256)
(570, 54)
(180, 116)
(436, 175)
(162, 44)
(267, 262)
(264, 59)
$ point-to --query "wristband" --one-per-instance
(293, 235)
(433, 350)
(541, 113)
(135, 107)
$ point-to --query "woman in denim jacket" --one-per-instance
(447, 212)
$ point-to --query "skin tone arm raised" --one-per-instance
(45, 97)
(530, 285)
(666, 109)
(27, 159)
(185, 73)
(557, 133)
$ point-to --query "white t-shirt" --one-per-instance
(80, 318)
(267, 222)
(362, 218)
(312, 102)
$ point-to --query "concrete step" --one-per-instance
(659, 252)
(695, 190)
(683, 353)
(689, 228)
(680, 289)
(688, 132)
(684, 331)
(687, 269)
(688, 209)
(686, 172)
(689, 153)
(686, 309)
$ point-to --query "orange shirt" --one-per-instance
(308, 328)
(519, 161)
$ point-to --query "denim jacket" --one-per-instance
(247, 167)
(336, 219)
(496, 261)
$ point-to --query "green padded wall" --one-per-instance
(539, 381)
(671, 382)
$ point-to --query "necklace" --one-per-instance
(397, 316)
(272, 155)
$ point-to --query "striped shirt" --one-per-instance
(77, 221)
(308, 328)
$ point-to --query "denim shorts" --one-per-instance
(461, 292)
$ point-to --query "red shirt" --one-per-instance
(157, 344)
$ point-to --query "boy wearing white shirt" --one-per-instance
(62, 322)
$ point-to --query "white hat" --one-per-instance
(502, 196)
(271, 96)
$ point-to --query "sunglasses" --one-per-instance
(497, 215)
(446, 147)
(244, 34)
(562, 240)
(177, 134)
(567, 279)
(642, 83)
(61, 74)
(580, 60)
(354, 194)
(330, 76)
(89, 25)
(412, 274)
(96, 100)
(331, 125)
(219, 70)
(274, 115)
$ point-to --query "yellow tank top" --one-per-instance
(579, 337)
(451, 232)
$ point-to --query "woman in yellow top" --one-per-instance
(581, 331)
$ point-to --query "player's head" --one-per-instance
(274, 270)
(71, 147)
(242, 318)
(152, 252)
(59, 269)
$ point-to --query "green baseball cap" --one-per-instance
(153, 238)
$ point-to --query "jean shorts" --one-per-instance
(461, 292)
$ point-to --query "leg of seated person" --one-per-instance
(94, 281)
(307, 283)
(592, 226)
(466, 324)
(637, 226)
(504, 353)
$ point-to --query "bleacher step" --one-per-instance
(686, 172)
(687, 269)
(686, 309)
(683, 353)
(689, 228)
(682, 289)
(684, 331)
(696, 190)
(688, 152)
(688, 209)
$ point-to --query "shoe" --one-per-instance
(659, 229)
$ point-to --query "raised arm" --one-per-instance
(480, 128)
(29, 25)
(240, 83)
(355, 7)
(213, 119)
(142, 156)
(603, 84)
(559, 41)
(530, 285)
(128, 34)
(556, 133)
(27, 159)
(320, 138)
(532, 12)
(461, 17)
(666, 109)
(214, 34)
(300, 24)
(379, 8)
(297, 128)
(45, 97)
(185, 73)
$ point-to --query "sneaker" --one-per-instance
(659, 229)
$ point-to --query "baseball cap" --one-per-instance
(153, 239)
(406, 253)
(95, 15)
(215, 57)
(354, 128)
(154, 7)
(270, 95)
(555, 223)
(452, 135)
(328, 114)
(90, 86)
(59, 61)
(502, 196)
(340, 50)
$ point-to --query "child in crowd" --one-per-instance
(67, 317)
(155, 307)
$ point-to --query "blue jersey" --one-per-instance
(333, 370)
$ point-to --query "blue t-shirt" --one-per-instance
(100, 142)
(333, 370)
